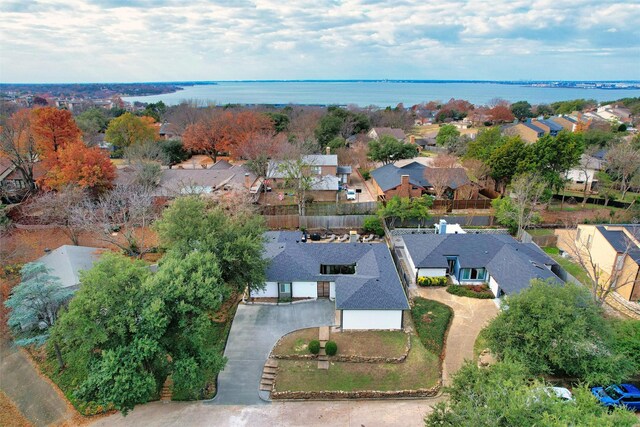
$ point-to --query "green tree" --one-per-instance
(340, 122)
(373, 225)
(504, 395)
(600, 138)
(127, 130)
(557, 329)
(626, 342)
(404, 208)
(173, 151)
(156, 110)
(388, 149)
(552, 157)
(328, 128)
(335, 143)
(34, 305)
(191, 223)
(507, 160)
(280, 121)
(567, 107)
(522, 110)
(448, 136)
(485, 143)
(606, 188)
(92, 122)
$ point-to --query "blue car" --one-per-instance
(618, 395)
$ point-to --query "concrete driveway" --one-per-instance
(254, 332)
(470, 316)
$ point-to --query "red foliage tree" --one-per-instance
(53, 129)
(501, 114)
(86, 167)
(225, 131)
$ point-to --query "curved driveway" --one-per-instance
(254, 332)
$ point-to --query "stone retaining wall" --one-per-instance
(364, 394)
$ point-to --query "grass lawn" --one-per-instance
(421, 369)
(296, 342)
(571, 267)
(555, 206)
(480, 344)
(431, 320)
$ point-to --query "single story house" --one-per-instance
(360, 277)
(377, 133)
(68, 261)
(498, 260)
(585, 173)
(415, 179)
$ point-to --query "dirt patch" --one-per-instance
(371, 343)
(10, 415)
(295, 343)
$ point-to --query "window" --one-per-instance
(578, 235)
(589, 239)
(477, 274)
(338, 269)
(619, 261)
(285, 288)
(316, 170)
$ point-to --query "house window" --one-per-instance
(476, 274)
(337, 269)
(285, 288)
(316, 170)
(589, 239)
(578, 235)
(619, 262)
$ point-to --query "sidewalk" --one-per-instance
(38, 401)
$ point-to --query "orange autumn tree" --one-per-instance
(18, 146)
(53, 129)
(225, 131)
(87, 167)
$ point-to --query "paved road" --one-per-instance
(388, 413)
(254, 332)
(35, 398)
(470, 316)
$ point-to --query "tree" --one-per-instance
(111, 334)
(387, 150)
(444, 161)
(501, 114)
(556, 329)
(605, 187)
(18, 145)
(280, 121)
(129, 129)
(403, 209)
(440, 180)
(173, 151)
(604, 279)
(518, 210)
(504, 395)
(34, 305)
(122, 216)
(626, 342)
(64, 208)
(236, 237)
(298, 176)
(53, 130)
(262, 149)
(521, 110)
(155, 110)
(447, 136)
(552, 157)
(507, 160)
(485, 143)
(337, 143)
(339, 122)
(623, 161)
(87, 167)
(92, 122)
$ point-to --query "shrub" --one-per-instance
(366, 174)
(331, 348)
(373, 225)
(432, 281)
(314, 347)
(471, 291)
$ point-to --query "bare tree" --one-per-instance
(439, 178)
(518, 210)
(624, 161)
(122, 217)
(18, 146)
(445, 161)
(65, 208)
(184, 114)
(602, 279)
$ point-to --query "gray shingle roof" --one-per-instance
(374, 286)
(390, 176)
(620, 241)
(511, 263)
(67, 261)
(344, 170)
(394, 132)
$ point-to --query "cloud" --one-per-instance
(134, 40)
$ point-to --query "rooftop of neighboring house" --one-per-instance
(621, 237)
(550, 124)
(222, 175)
(67, 261)
(321, 159)
(374, 286)
(513, 264)
(532, 126)
(390, 176)
(394, 132)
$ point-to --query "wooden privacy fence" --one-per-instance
(323, 209)
(325, 222)
(450, 205)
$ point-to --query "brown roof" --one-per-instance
(394, 132)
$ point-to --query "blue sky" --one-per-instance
(162, 40)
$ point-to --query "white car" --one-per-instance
(351, 194)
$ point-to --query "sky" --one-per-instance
(46, 41)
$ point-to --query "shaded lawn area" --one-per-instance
(421, 369)
(431, 320)
(350, 343)
(571, 267)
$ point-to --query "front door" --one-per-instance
(323, 289)
(284, 290)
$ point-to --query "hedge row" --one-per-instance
(474, 291)
(432, 281)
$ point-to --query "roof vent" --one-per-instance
(47, 250)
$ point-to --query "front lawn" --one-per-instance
(421, 369)
(295, 343)
(431, 320)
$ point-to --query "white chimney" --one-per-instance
(328, 150)
(441, 227)
(353, 236)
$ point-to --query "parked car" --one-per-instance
(560, 392)
(351, 194)
(618, 395)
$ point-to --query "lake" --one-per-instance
(378, 93)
